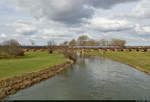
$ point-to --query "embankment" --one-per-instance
(12, 85)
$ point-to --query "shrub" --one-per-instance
(11, 48)
(137, 50)
(20, 53)
(69, 54)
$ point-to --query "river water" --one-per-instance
(91, 78)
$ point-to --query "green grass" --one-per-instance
(141, 60)
(32, 61)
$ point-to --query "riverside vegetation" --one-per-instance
(24, 71)
(16, 61)
(139, 60)
(30, 62)
(21, 68)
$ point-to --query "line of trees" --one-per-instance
(84, 40)
(11, 48)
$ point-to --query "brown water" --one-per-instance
(91, 78)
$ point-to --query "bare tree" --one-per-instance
(72, 42)
(90, 42)
(65, 43)
(82, 40)
(103, 42)
(11, 48)
(118, 42)
(51, 46)
(11, 42)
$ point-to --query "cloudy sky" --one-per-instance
(60, 20)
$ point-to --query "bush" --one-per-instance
(50, 51)
(69, 54)
(21, 53)
(11, 48)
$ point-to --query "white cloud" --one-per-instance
(21, 28)
(108, 25)
(3, 35)
(71, 18)
(142, 9)
(142, 29)
(68, 11)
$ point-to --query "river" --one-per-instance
(91, 78)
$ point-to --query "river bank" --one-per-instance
(91, 78)
(17, 82)
(138, 60)
(30, 62)
(12, 85)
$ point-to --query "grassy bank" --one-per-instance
(139, 60)
(32, 61)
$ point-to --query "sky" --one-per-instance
(61, 20)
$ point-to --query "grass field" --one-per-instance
(32, 61)
(140, 60)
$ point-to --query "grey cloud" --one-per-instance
(119, 29)
(52, 15)
(107, 4)
(29, 32)
(104, 24)
(66, 11)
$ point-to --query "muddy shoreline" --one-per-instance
(11, 85)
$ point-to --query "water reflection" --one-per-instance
(91, 78)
